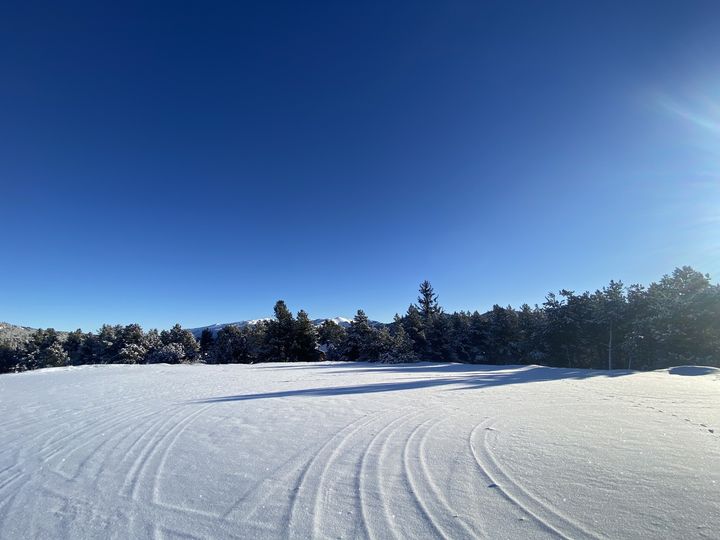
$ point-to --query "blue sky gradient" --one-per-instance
(195, 162)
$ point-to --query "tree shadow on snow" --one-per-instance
(460, 377)
(693, 371)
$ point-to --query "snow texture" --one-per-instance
(359, 451)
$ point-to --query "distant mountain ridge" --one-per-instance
(15, 335)
(215, 328)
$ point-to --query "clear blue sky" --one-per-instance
(194, 162)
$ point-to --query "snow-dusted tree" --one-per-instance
(54, 355)
(106, 346)
(151, 341)
(182, 337)
(172, 353)
(132, 354)
(44, 349)
(73, 346)
(131, 334)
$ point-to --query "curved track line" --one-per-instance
(288, 465)
(11, 479)
(96, 428)
(422, 505)
(437, 492)
(545, 515)
(158, 422)
(129, 486)
(98, 434)
(362, 475)
(354, 427)
(184, 425)
(322, 477)
(180, 424)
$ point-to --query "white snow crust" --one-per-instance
(332, 450)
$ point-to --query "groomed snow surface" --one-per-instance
(359, 451)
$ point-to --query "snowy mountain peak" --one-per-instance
(215, 328)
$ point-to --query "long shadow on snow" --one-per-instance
(493, 376)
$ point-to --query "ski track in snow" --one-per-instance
(358, 451)
(546, 516)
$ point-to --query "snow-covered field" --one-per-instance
(359, 450)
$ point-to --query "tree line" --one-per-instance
(673, 321)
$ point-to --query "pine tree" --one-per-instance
(396, 347)
(415, 328)
(428, 301)
(73, 347)
(132, 353)
(304, 340)
(8, 357)
(280, 334)
(331, 337)
(172, 353)
(106, 345)
(433, 323)
(54, 355)
(152, 341)
(184, 338)
(610, 305)
(207, 341)
(132, 334)
(231, 346)
(44, 349)
(503, 335)
(361, 342)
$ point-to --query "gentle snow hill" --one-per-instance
(328, 450)
(215, 328)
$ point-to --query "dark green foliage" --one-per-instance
(361, 342)
(331, 339)
(672, 322)
(8, 357)
(396, 346)
(207, 341)
(280, 334)
(231, 347)
(74, 347)
(414, 325)
(502, 336)
(428, 306)
(304, 347)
